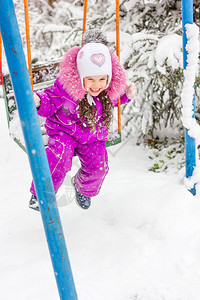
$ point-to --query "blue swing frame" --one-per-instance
(190, 145)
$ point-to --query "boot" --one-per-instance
(33, 203)
(81, 200)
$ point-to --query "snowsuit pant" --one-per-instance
(93, 158)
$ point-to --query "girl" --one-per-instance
(78, 111)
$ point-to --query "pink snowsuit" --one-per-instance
(68, 135)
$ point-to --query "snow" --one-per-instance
(139, 240)
(192, 32)
(169, 48)
(187, 96)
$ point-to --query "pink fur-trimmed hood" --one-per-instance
(71, 82)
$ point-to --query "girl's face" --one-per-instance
(94, 85)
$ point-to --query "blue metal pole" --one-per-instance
(36, 151)
(190, 148)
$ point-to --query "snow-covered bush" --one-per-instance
(157, 71)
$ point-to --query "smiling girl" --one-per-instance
(78, 111)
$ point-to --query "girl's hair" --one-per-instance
(88, 113)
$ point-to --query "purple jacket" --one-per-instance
(59, 103)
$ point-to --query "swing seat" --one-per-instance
(43, 77)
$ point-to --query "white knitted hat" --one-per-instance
(94, 59)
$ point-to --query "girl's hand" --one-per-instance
(131, 91)
(37, 100)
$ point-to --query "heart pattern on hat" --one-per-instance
(98, 59)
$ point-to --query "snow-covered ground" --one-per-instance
(140, 240)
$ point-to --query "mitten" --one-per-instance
(37, 100)
(131, 91)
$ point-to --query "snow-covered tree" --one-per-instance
(151, 51)
(155, 64)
